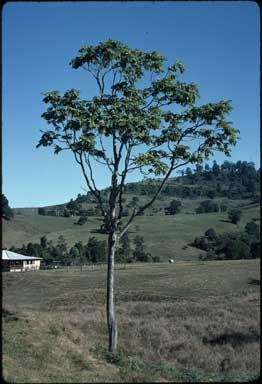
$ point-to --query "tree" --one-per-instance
(61, 246)
(43, 242)
(252, 229)
(207, 206)
(237, 249)
(215, 168)
(41, 211)
(234, 215)
(199, 169)
(74, 254)
(96, 250)
(211, 194)
(211, 234)
(189, 172)
(72, 205)
(126, 128)
(174, 207)
(207, 167)
(7, 212)
(140, 253)
(124, 253)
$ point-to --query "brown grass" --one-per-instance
(65, 338)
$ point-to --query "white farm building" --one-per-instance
(14, 262)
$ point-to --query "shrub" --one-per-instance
(255, 250)
(252, 229)
(174, 207)
(207, 206)
(211, 234)
(223, 207)
(211, 194)
(201, 243)
(156, 259)
(237, 249)
(41, 211)
(234, 215)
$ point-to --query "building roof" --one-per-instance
(8, 255)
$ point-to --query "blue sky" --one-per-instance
(218, 42)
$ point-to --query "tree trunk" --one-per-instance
(110, 309)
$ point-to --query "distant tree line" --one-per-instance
(230, 246)
(72, 208)
(238, 180)
(92, 252)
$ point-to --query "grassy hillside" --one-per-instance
(165, 236)
(186, 322)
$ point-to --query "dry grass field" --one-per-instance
(187, 322)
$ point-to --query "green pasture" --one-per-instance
(165, 236)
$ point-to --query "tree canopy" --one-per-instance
(130, 124)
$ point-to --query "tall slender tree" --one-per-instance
(143, 117)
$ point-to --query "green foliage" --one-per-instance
(252, 229)
(93, 252)
(174, 207)
(140, 253)
(230, 246)
(234, 215)
(41, 211)
(130, 364)
(72, 205)
(207, 206)
(124, 253)
(7, 212)
(236, 249)
(211, 234)
(96, 250)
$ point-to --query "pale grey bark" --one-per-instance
(110, 307)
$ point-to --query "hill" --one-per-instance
(168, 236)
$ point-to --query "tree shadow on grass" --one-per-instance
(233, 338)
(8, 316)
(254, 282)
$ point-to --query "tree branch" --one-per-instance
(95, 192)
(121, 185)
(147, 205)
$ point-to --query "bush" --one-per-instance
(211, 194)
(211, 234)
(255, 250)
(229, 246)
(207, 206)
(41, 211)
(252, 229)
(223, 207)
(237, 249)
(156, 259)
(174, 207)
(201, 243)
(234, 215)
